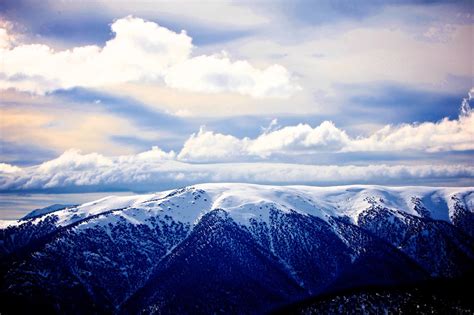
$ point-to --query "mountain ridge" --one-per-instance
(121, 252)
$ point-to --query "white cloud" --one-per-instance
(327, 56)
(74, 160)
(157, 167)
(8, 168)
(444, 135)
(5, 40)
(140, 51)
(466, 109)
(217, 73)
(325, 137)
(211, 146)
(155, 154)
(207, 145)
(152, 170)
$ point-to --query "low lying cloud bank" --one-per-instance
(212, 157)
(140, 51)
(156, 169)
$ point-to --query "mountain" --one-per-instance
(42, 211)
(232, 248)
(438, 296)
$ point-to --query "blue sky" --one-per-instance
(108, 95)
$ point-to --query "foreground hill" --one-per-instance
(232, 248)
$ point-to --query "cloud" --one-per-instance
(140, 51)
(325, 137)
(383, 50)
(217, 73)
(4, 39)
(444, 135)
(8, 168)
(207, 145)
(210, 146)
(158, 168)
(73, 160)
(7, 39)
(58, 128)
(57, 125)
(155, 169)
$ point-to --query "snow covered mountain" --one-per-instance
(46, 210)
(232, 248)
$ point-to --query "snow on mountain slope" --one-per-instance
(139, 253)
(46, 210)
(248, 201)
(240, 200)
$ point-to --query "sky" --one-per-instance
(110, 95)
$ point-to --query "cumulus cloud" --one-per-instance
(208, 146)
(73, 160)
(155, 169)
(140, 51)
(217, 73)
(8, 168)
(325, 137)
(158, 168)
(444, 135)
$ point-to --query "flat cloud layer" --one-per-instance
(155, 169)
(141, 51)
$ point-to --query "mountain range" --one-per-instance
(232, 248)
